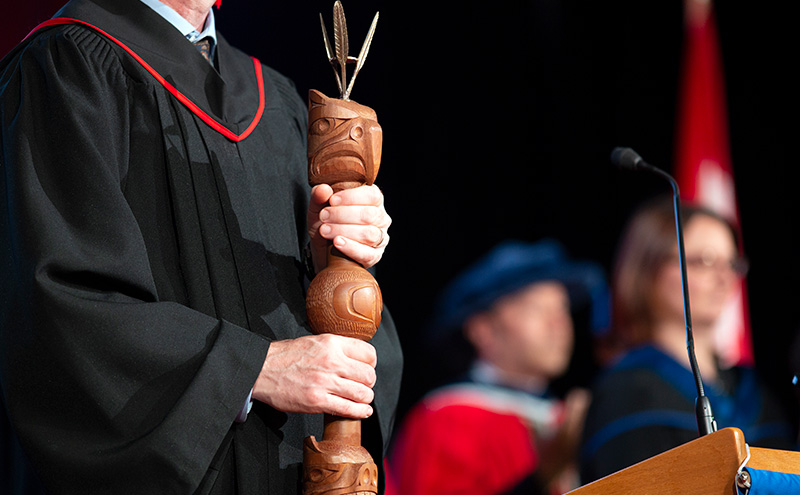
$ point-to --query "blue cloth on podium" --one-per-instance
(764, 482)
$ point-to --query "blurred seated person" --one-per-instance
(645, 403)
(498, 430)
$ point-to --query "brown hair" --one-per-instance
(648, 242)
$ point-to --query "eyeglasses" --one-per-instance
(709, 260)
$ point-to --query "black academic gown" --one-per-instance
(147, 262)
(645, 405)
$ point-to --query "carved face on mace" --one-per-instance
(341, 478)
(344, 142)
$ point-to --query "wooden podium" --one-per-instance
(706, 466)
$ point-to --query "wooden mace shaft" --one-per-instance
(344, 149)
(342, 430)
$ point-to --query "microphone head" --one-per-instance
(626, 158)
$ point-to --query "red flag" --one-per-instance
(703, 161)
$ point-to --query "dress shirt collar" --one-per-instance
(182, 24)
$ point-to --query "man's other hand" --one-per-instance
(319, 374)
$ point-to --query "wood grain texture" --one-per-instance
(706, 466)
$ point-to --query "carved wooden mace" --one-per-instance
(344, 150)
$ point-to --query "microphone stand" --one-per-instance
(627, 158)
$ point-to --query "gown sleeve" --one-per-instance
(111, 389)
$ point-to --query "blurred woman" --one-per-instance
(644, 404)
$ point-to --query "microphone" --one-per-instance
(628, 159)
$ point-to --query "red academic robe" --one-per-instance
(462, 440)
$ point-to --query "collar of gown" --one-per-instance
(229, 95)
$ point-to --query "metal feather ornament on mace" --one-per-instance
(340, 57)
(344, 151)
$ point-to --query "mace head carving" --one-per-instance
(332, 468)
(344, 142)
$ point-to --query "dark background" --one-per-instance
(499, 117)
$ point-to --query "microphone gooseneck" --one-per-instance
(628, 159)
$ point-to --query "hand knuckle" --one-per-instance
(327, 339)
(364, 395)
(316, 381)
(328, 362)
(369, 216)
(316, 398)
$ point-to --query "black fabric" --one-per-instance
(16, 473)
(653, 413)
(531, 485)
(148, 262)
